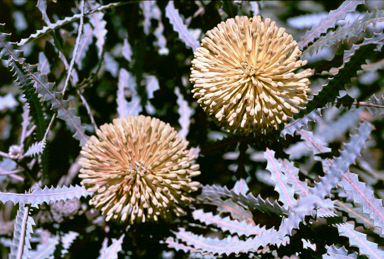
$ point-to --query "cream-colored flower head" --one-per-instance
(140, 169)
(243, 75)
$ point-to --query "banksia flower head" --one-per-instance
(243, 75)
(140, 169)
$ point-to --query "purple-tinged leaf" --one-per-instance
(66, 20)
(230, 244)
(127, 50)
(357, 214)
(329, 21)
(152, 85)
(99, 30)
(7, 102)
(45, 195)
(285, 191)
(379, 102)
(308, 244)
(111, 64)
(241, 186)
(344, 33)
(134, 106)
(317, 145)
(306, 21)
(178, 246)
(112, 250)
(185, 113)
(341, 164)
(67, 241)
(35, 149)
(150, 10)
(22, 234)
(359, 240)
(43, 65)
(239, 228)
(366, 198)
(42, 5)
(340, 126)
(338, 253)
(296, 125)
(292, 174)
(161, 41)
(228, 206)
(122, 104)
(215, 192)
(46, 249)
(85, 42)
(63, 111)
(174, 18)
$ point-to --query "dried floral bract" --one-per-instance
(140, 169)
(243, 75)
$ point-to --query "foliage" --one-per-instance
(312, 189)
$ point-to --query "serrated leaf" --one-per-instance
(226, 224)
(357, 214)
(45, 195)
(22, 234)
(43, 65)
(112, 250)
(241, 186)
(340, 126)
(285, 191)
(36, 148)
(380, 105)
(60, 23)
(366, 198)
(341, 164)
(45, 250)
(345, 32)
(172, 243)
(359, 240)
(297, 124)
(329, 21)
(178, 26)
(67, 241)
(215, 191)
(331, 90)
(292, 174)
(315, 144)
(236, 211)
(185, 113)
(99, 30)
(338, 253)
(85, 42)
(227, 245)
(63, 111)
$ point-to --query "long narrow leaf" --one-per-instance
(329, 21)
(174, 18)
(45, 195)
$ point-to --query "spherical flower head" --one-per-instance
(243, 75)
(139, 170)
